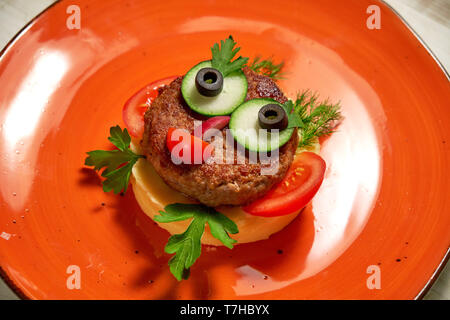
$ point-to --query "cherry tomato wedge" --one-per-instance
(186, 148)
(134, 109)
(298, 187)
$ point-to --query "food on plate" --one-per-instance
(266, 114)
(227, 98)
(220, 151)
(212, 184)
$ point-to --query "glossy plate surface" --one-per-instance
(384, 202)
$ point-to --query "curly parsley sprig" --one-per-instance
(187, 246)
(317, 117)
(117, 163)
(223, 55)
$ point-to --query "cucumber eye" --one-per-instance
(209, 82)
(272, 116)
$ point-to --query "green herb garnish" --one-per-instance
(315, 118)
(294, 120)
(222, 56)
(117, 163)
(187, 246)
(267, 67)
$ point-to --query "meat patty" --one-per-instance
(213, 184)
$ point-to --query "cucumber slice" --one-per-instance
(233, 93)
(245, 128)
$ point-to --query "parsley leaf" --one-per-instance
(118, 179)
(294, 120)
(267, 67)
(187, 246)
(121, 139)
(318, 118)
(117, 164)
(222, 56)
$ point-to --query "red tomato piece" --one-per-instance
(295, 191)
(134, 109)
(186, 148)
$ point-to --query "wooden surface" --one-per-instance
(429, 18)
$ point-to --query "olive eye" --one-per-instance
(209, 82)
(272, 116)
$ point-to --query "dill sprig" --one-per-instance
(319, 118)
(267, 67)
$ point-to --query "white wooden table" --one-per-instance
(430, 19)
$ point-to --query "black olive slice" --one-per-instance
(209, 82)
(272, 116)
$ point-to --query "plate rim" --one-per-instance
(445, 258)
(437, 271)
(3, 274)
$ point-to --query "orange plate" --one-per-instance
(384, 201)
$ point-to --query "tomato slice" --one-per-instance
(294, 192)
(134, 109)
(186, 148)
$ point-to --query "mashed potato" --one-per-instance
(153, 194)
